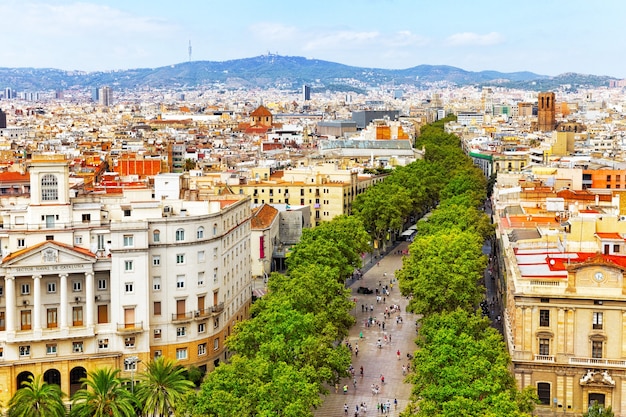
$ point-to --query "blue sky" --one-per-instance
(547, 37)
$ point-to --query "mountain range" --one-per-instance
(285, 73)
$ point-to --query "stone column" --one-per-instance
(37, 303)
(63, 304)
(89, 303)
(11, 303)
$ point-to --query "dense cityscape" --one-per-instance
(138, 225)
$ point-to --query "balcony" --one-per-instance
(216, 309)
(182, 317)
(598, 362)
(544, 358)
(130, 327)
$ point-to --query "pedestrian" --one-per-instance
(403, 370)
(398, 354)
(354, 382)
(336, 388)
(395, 403)
(382, 379)
(345, 389)
(345, 409)
(361, 371)
(383, 325)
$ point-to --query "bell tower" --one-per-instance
(546, 112)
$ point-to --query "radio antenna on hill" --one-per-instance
(189, 50)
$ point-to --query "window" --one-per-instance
(130, 365)
(129, 241)
(77, 286)
(51, 318)
(201, 328)
(24, 350)
(180, 259)
(214, 229)
(103, 343)
(543, 392)
(214, 275)
(86, 218)
(102, 284)
(156, 236)
(78, 240)
(157, 333)
(156, 283)
(200, 232)
(49, 188)
(129, 342)
(51, 349)
(180, 235)
(2, 321)
(596, 348)
(181, 331)
(201, 278)
(544, 318)
(128, 266)
(25, 289)
(77, 347)
(214, 253)
(616, 248)
(128, 287)
(216, 343)
(202, 349)
(158, 353)
(25, 320)
(51, 287)
(180, 281)
(21, 243)
(77, 316)
(181, 353)
(597, 321)
(156, 260)
(103, 313)
(200, 256)
(157, 308)
(544, 347)
(216, 322)
(100, 242)
(127, 212)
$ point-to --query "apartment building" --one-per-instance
(96, 280)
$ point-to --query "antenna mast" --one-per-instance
(189, 50)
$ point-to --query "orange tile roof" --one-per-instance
(614, 236)
(13, 177)
(261, 111)
(263, 217)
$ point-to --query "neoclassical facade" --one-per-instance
(94, 280)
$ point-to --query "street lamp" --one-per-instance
(131, 362)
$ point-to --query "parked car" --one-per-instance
(364, 290)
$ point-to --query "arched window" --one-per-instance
(180, 235)
(200, 232)
(49, 188)
(156, 236)
(214, 229)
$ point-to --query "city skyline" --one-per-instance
(547, 38)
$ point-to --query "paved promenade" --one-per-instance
(374, 360)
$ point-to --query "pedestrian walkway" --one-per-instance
(377, 361)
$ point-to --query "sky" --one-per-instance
(547, 37)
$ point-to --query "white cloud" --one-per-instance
(273, 31)
(341, 40)
(474, 39)
(406, 38)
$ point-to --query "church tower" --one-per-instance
(546, 112)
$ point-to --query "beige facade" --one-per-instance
(89, 281)
(564, 293)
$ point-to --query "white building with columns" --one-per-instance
(96, 280)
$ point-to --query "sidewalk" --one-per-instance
(377, 361)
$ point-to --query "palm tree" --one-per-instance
(161, 386)
(104, 395)
(37, 398)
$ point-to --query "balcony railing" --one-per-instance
(182, 316)
(617, 363)
(218, 308)
(130, 327)
(544, 358)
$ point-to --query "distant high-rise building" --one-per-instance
(3, 119)
(105, 96)
(546, 112)
(306, 93)
(95, 95)
(8, 93)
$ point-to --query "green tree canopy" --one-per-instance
(449, 216)
(442, 272)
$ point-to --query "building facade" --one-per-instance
(91, 281)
